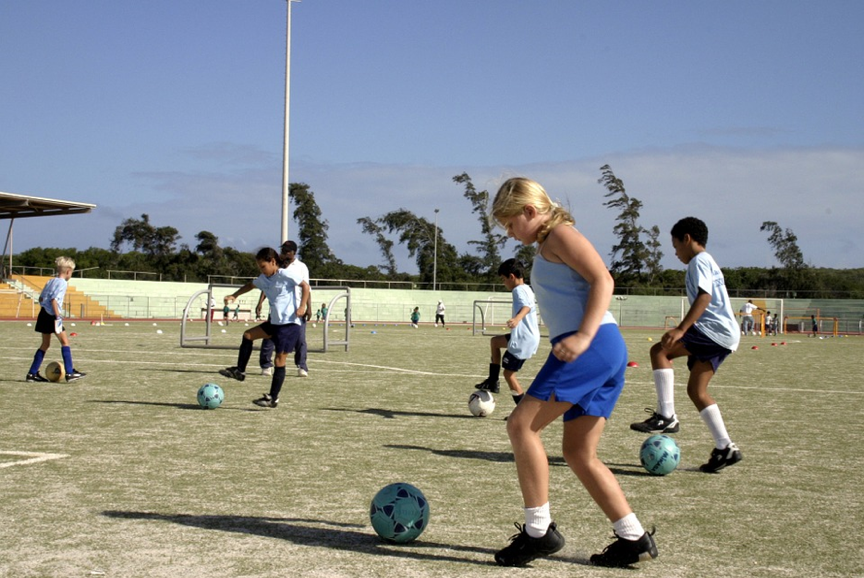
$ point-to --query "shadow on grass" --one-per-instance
(186, 406)
(392, 414)
(321, 533)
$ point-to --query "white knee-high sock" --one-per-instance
(537, 520)
(712, 418)
(664, 382)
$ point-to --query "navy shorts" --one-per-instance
(702, 348)
(45, 322)
(284, 337)
(511, 362)
(592, 382)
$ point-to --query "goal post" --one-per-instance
(215, 292)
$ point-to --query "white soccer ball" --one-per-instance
(481, 403)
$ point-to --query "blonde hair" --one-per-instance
(517, 192)
(64, 263)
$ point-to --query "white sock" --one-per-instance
(628, 527)
(664, 382)
(537, 520)
(712, 418)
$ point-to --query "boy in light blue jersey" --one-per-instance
(50, 320)
(522, 342)
(706, 335)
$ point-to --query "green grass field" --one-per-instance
(123, 475)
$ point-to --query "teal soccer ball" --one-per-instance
(210, 396)
(399, 513)
(660, 455)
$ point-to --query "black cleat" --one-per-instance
(35, 378)
(74, 376)
(233, 373)
(523, 548)
(490, 385)
(267, 401)
(722, 458)
(622, 553)
(656, 423)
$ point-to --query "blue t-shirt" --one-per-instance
(55, 289)
(718, 321)
(562, 294)
(525, 337)
(280, 291)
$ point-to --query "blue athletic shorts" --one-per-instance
(593, 382)
(284, 337)
(702, 348)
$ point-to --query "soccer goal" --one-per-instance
(207, 301)
(490, 312)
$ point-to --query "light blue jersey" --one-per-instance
(525, 337)
(718, 322)
(562, 294)
(55, 289)
(280, 291)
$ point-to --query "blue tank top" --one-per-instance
(561, 294)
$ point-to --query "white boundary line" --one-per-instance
(35, 457)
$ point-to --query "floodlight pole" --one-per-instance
(435, 256)
(285, 183)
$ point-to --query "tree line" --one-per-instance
(140, 246)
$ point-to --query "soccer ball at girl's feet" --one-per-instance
(399, 512)
(481, 403)
(55, 371)
(210, 396)
(660, 455)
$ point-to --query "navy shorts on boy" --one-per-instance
(284, 337)
(702, 348)
(45, 322)
(592, 382)
(510, 362)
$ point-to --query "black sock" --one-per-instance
(518, 398)
(245, 354)
(276, 382)
(494, 370)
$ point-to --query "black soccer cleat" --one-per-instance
(523, 548)
(267, 401)
(656, 423)
(489, 384)
(721, 458)
(74, 376)
(233, 373)
(35, 378)
(622, 553)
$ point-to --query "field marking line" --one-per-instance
(35, 457)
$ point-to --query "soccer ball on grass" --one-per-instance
(210, 396)
(481, 403)
(659, 455)
(399, 512)
(55, 371)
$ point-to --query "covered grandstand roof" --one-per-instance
(20, 206)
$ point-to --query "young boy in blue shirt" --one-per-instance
(522, 342)
(50, 321)
(706, 335)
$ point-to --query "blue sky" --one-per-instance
(737, 112)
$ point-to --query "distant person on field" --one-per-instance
(288, 256)
(415, 317)
(236, 314)
(226, 311)
(50, 320)
(439, 313)
(522, 342)
(747, 317)
(814, 327)
(283, 325)
(706, 336)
